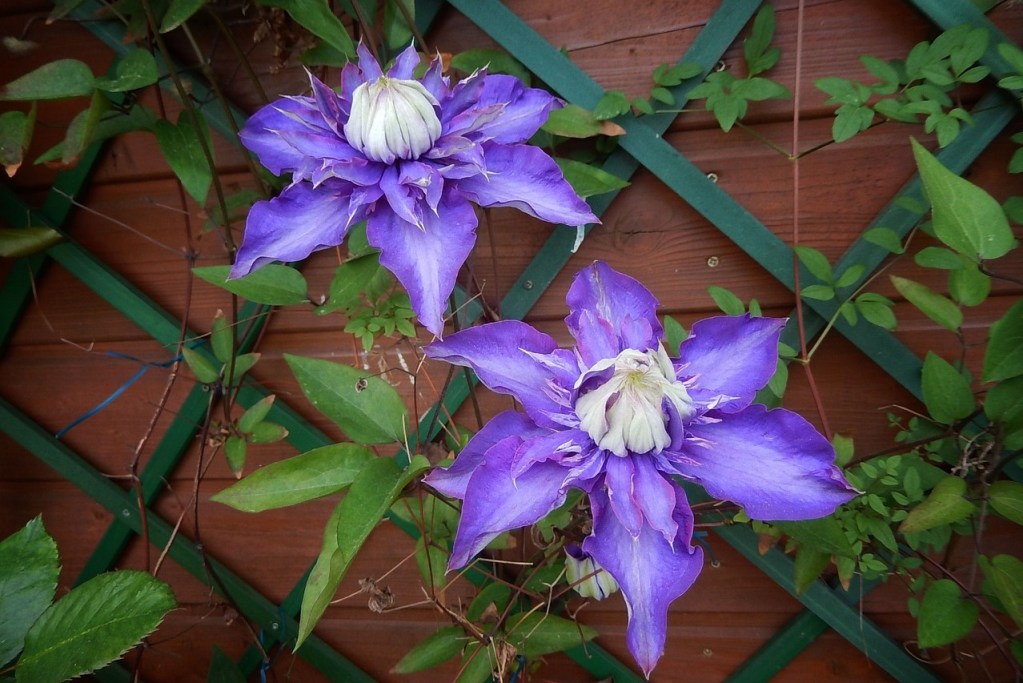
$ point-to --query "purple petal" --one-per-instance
(730, 358)
(495, 502)
(524, 177)
(542, 447)
(453, 480)
(603, 302)
(426, 260)
(641, 496)
(261, 133)
(525, 109)
(502, 354)
(773, 463)
(295, 224)
(404, 64)
(368, 63)
(651, 572)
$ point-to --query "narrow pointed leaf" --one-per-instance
(438, 647)
(304, 477)
(376, 487)
(182, 147)
(589, 180)
(1004, 356)
(947, 393)
(536, 633)
(15, 242)
(938, 308)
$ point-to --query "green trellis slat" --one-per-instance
(122, 505)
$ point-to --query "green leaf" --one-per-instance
(221, 338)
(235, 449)
(674, 335)
(478, 664)
(1006, 498)
(203, 370)
(937, 307)
(82, 128)
(267, 432)
(729, 303)
(947, 393)
(316, 17)
(945, 615)
(255, 414)
(877, 309)
(938, 257)
(29, 570)
(223, 669)
(881, 69)
(818, 292)
(969, 286)
(816, 263)
(178, 13)
(808, 566)
(823, 535)
(1004, 404)
(496, 61)
(135, 70)
(850, 275)
(535, 634)
(760, 35)
(182, 147)
(440, 646)
(314, 474)
(662, 95)
(966, 218)
(111, 124)
(944, 505)
(885, 238)
(1005, 574)
(93, 625)
(572, 121)
(611, 104)
(15, 135)
(367, 408)
(496, 594)
(375, 488)
(242, 364)
(432, 562)
(589, 180)
(15, 242)
(272, 284)
(52, 81)
(1004, 356)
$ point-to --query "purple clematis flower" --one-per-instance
(408, 156)
(621, 420)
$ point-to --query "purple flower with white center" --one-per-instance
(408, 156)
(620, 419)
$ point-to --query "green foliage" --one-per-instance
(273, 284)
(589, 180)
(317, 18)
(1004, 357)
(182, 146)
(15, 242)
(728, 96)
(367, 408)
(535, 634)
(923, 85)
(440, 646)
(15, 135)
(314, 474)
(86, 629)
(945, 615)
(377, 485)
(945, 504)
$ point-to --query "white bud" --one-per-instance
(597, 585)
(392, 119)
(626, 413)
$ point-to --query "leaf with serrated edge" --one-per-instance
(29, 569)
(93, 625)
(314, 474)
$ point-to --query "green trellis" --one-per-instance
(642, 146)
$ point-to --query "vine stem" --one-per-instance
(796, 104)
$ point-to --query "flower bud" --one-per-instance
(598, 584)
(392, 119)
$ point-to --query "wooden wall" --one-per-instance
(60, 362)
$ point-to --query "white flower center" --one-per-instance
(392, 119)
(627, 413)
